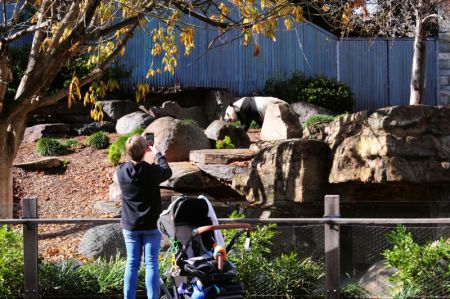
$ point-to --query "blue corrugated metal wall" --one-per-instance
(377, 71)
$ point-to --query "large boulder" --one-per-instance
(173, 109)
(34, 133)
(306, 110)
(41, 165)
(403, 144)
(185, 176)
(115, 109)
(376, 280)
(291, 170)
(129, 122)
(280, 122)
(176, 138)
(104, 241)
(92, 127)
(218, 129)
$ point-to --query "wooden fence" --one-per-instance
(331, 221)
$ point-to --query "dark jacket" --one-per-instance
(141, 199)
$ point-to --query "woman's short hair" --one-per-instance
(136, 147)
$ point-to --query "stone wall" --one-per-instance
(444, 57)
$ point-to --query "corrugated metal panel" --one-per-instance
(377, 71)
(400, 63)
(233, 66)
(361, 67)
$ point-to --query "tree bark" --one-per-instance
(417, 85)
(11, 134)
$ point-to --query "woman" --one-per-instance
(141, 205)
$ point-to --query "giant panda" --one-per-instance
(247, 109)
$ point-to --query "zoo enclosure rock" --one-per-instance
(218, 129)
(280, 122)
(103, 241)
(129, 122)
(291, 170)
(408, 144)
(176, 139)
(306, 110)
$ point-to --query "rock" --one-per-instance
(60, 113)
(173, 109)
(220, 156)
(306, 110)
(176, 139)
(224, 172)
(34, 133)
(104, 241)
(218, 129)
(376, 280)
(317, 131)
(280, 122)
(41, 165)
(132, 121)
(113, 209)
(115, 194)
(293, 170)
(185, 176)
(90, 128)
(407, 144)
(115, 109)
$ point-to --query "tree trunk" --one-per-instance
(11, 134)
(417, 85)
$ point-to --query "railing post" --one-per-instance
(30, 249)
(332, 254)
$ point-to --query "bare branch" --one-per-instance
(429, 17)
(21, 33)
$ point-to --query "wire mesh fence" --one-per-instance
(285, 261)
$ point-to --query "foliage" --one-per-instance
(353, 291)
(50, 147)
(117, 149)
(225, 143)
(98, 140)
(11, 263)
(264, 274)
(71, 143)
(423, 269)
(321, 91)
(192, 122)
(319, 118)
(236, 124)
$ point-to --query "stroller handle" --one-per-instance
(207, 228)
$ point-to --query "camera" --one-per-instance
(150, 137)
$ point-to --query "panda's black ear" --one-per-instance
(230, 105)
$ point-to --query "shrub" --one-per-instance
(98, 140)
(319, 118)
(71, 143)
(266, 275)
(321, 91)
(224, 143)
(11, 263)
(50, 147)
(354, 290)
(423, 270)
(117, 149)
(253, 124)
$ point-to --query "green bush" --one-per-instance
(253, 124)
(353, 291)
(423, 270)
(98, 140)
(50, 147)
(286, 275)
(319, 118)
(71, 143)
(224, 143)
(321, 91)
(11, 263)
(117, 149)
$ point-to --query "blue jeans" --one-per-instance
(135, 241)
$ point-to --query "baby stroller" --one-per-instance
(199, 269)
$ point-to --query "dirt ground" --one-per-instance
(71, 193)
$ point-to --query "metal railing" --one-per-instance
(331, 221)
